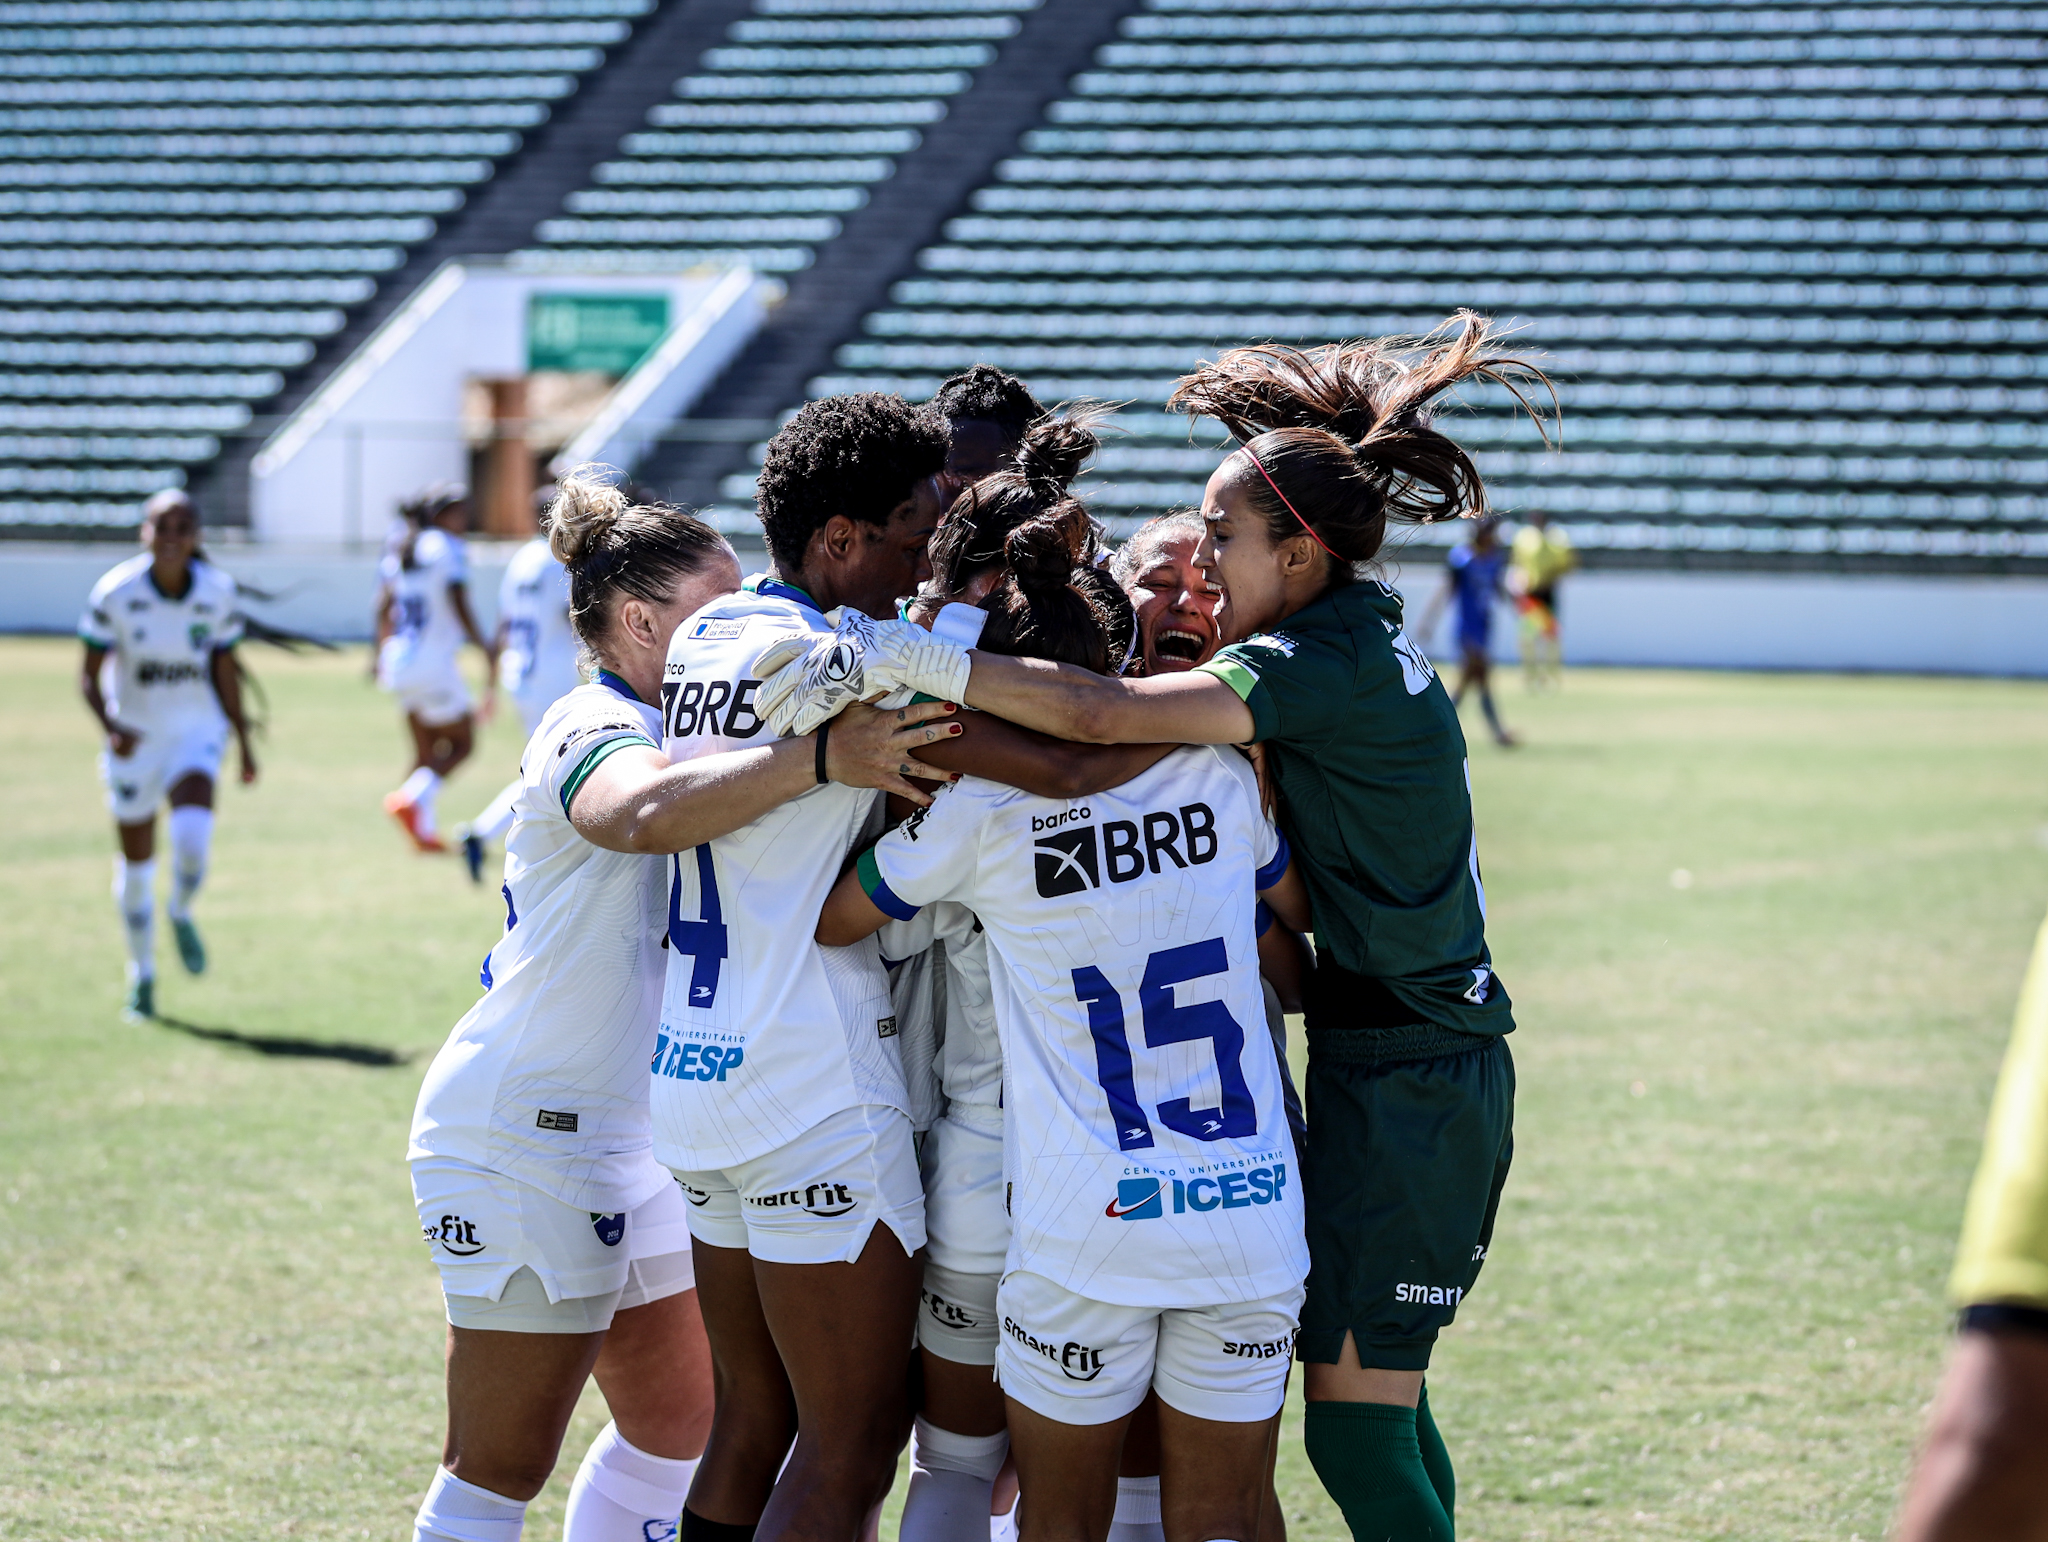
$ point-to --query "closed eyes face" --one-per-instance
(1176, 608)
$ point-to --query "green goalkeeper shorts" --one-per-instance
(1406, 1159)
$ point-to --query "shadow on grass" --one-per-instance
(289, 1049)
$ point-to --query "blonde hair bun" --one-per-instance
(589, 503)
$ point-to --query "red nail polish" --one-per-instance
(955, 728)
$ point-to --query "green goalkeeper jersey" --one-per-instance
(1377, 800)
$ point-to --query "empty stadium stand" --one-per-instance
(1787, 263)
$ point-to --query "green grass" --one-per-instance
(1749, 1110)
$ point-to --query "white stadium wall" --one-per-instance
(1937, 625)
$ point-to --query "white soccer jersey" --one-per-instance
(970, 1051)
(160, 650)
(545, 1078)
(426, 634)
(764, 1032)
(1145, 1140)
(538, 665)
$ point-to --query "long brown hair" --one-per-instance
(1051, 454)
(1343, 431)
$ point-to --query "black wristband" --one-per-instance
(823, 729)
(2003, 1317)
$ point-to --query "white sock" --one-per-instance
(494, 821)
(420, 790)
(454, 1511)
(1137, 1511)
(1003, 1528)
(624, 1494)
(135, 893)
(951, 1477)
(191, 838)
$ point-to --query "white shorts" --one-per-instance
(816, 1199)
(138, 782)
(431, 690)
(965, 1219)
(1079, 1361)
(516, 1259)
(956, 1318)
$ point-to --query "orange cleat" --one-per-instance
(408, 816)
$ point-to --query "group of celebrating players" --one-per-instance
(873, 1047)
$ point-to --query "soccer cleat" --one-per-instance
(141, 1004)
(191, 951)
(473, 854)
(402, 809)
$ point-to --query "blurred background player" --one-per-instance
(986, 413)
(537, 663)
(1979, 1475)
(423, 617)
(161, 676)
(1475, 580)
(1537, 563)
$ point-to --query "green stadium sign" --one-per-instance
(609, 333)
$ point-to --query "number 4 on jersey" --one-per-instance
(703, 939)
(1168, 1023)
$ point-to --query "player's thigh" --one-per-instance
(655, 1368)
(844, 1333)
(1214, 1475)
(1406, 1163)
(1066, 1475)
(510, 1397)
(134, 785)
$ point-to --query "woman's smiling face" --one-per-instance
(1176, 607)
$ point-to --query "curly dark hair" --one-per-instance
(859, 455)
(988, 395)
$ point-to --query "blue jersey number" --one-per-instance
(704, 938)
(1167, 1023)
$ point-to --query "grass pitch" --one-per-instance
(1764, 934)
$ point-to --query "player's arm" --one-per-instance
(1070, 703)
(226, 675)
(1038, 763)
(849, 914)
(635, 800)
(458, 598)
(1285, 959)
(1287, 898)
(121, 740)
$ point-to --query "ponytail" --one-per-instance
(1054, 450)
(613, 546)
(1335, 441)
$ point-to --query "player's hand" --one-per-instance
(248, 759)
(808, 679)
(870, 747)
(122, 741)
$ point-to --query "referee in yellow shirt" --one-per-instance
(1983, 1471)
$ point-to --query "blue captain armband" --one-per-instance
(878, 891)
(1276, 869)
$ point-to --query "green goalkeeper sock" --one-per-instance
(1436, 1461)
(1369, 1460)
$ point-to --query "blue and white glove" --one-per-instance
(806, 680)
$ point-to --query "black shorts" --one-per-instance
(1406, 1159)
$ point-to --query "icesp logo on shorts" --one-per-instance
(1077, 1362)
(1144, 1199)
(1076, 860)
(455, 1235)
(694, 1062)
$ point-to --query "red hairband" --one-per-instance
(1283, 498)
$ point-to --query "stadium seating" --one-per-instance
(779, 133)
(191, 195)
(1787, 266)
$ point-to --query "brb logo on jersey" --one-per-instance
(1073, 861)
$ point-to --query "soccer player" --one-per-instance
(1475, 580)
(1978, 1478)
(1157, 1244)
(986, 413)
(160, 675)
(537, 652)
(1411, 1087)
(1175, 602)
(423, 617)
(1538, 559)
(563, 1247)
